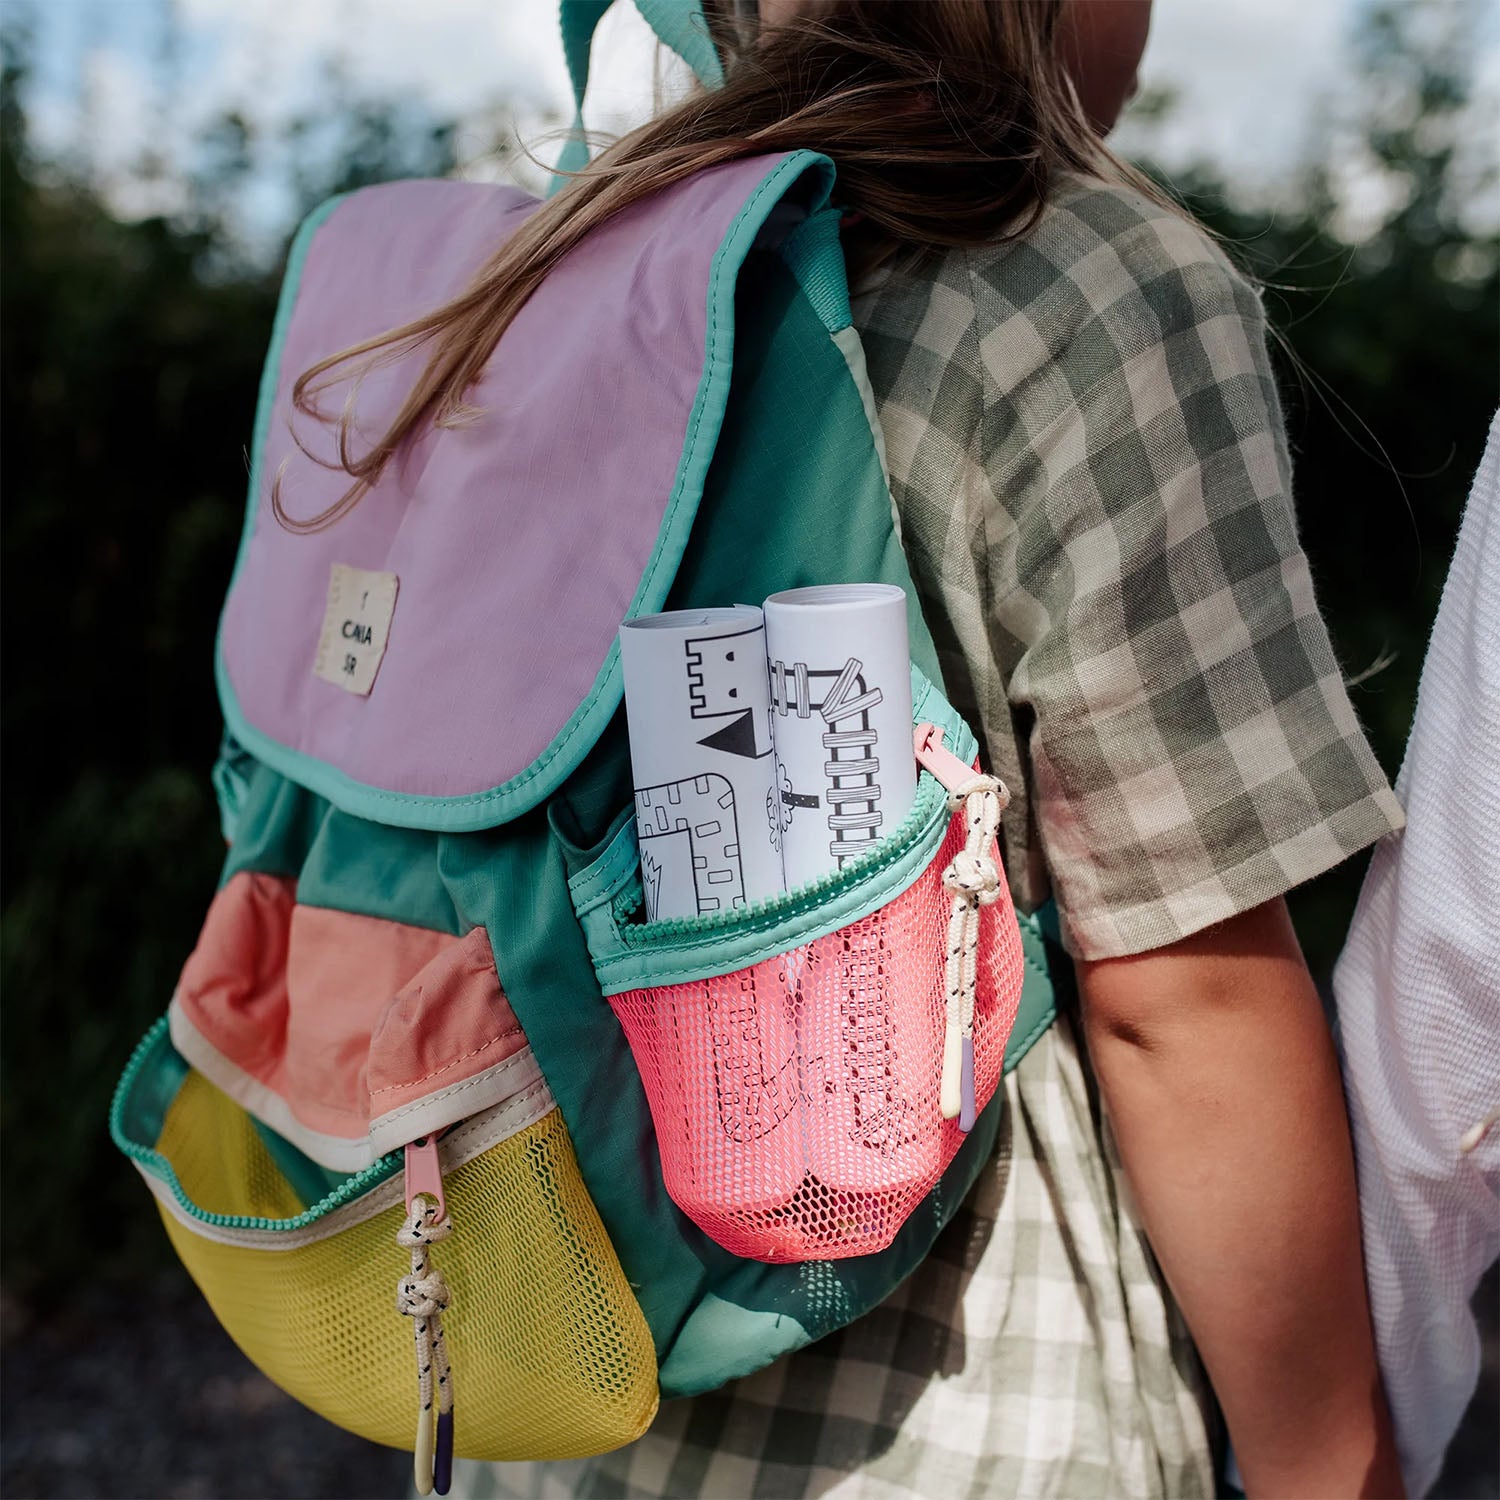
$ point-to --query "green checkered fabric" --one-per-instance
(1088, 458)
(1088, 462)
(1033, 1353)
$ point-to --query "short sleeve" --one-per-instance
(1192, 749)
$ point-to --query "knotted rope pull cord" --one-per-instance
(422, 1297)
(975, 881)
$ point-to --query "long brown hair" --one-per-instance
(946, 121)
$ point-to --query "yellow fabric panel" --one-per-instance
(551, 1355)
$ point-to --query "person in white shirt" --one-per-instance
(1418, 996)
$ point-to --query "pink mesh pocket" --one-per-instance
(796, 1101)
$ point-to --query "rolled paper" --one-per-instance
(841, 718)
(698, 709)
(840, 668)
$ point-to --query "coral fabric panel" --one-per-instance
(341, 1016)
(233, 986)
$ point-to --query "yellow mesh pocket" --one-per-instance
(551, 1355)
(219, 1157)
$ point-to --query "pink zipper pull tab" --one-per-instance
(936, 757)
(422, 1296)
(424, 1174)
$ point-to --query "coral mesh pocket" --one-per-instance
(797, 1100)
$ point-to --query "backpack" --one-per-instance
(424, 999)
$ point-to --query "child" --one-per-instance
(1418, 990)
(1087, 458)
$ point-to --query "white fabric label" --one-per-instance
(356, 626)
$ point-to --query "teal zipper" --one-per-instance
(154, 1162)
(927, 813)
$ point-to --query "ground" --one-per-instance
(119, 1395)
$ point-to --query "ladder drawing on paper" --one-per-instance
(843, 700)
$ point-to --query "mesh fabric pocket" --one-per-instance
(552, 1357)
(796, 1100)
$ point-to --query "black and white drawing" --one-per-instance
(688, 833)
(698, 711)
(843, 701)
(840, 691)
(726, 680)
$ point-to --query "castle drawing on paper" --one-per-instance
(726, 679)
(843, 700)
(690, 845)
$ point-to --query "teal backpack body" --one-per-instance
(425, 983)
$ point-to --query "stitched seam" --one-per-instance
(463, 1134)
(490, 1075)
(883, 892)
(1029, 1039)
(605, 873)
(448, 1067)
(1041, 969)
(314, 1231)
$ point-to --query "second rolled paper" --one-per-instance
(841, 720)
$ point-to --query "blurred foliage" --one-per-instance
(1388, 356)
(128, 374)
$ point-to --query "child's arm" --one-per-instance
(1223, 1090)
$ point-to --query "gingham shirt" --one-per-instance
(1086, 454)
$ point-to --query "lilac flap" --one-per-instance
(469, 664)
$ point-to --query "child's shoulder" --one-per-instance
(1105, 257)
(1107, 284)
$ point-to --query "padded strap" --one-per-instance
(814, 256)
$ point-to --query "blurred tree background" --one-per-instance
(130, 361)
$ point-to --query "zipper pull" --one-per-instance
(975, 881)
(424, 1174)
(935, 756)
(422, 1296)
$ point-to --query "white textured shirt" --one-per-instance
(1418, 990)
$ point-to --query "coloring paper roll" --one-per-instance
(705, 779)
(841, 721)
(841, 718)
(701, 760)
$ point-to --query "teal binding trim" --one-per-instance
(1038, 1008)
(469, 813)
(847, 342)
(629, 955)
(814, 256)
(147, 1087)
